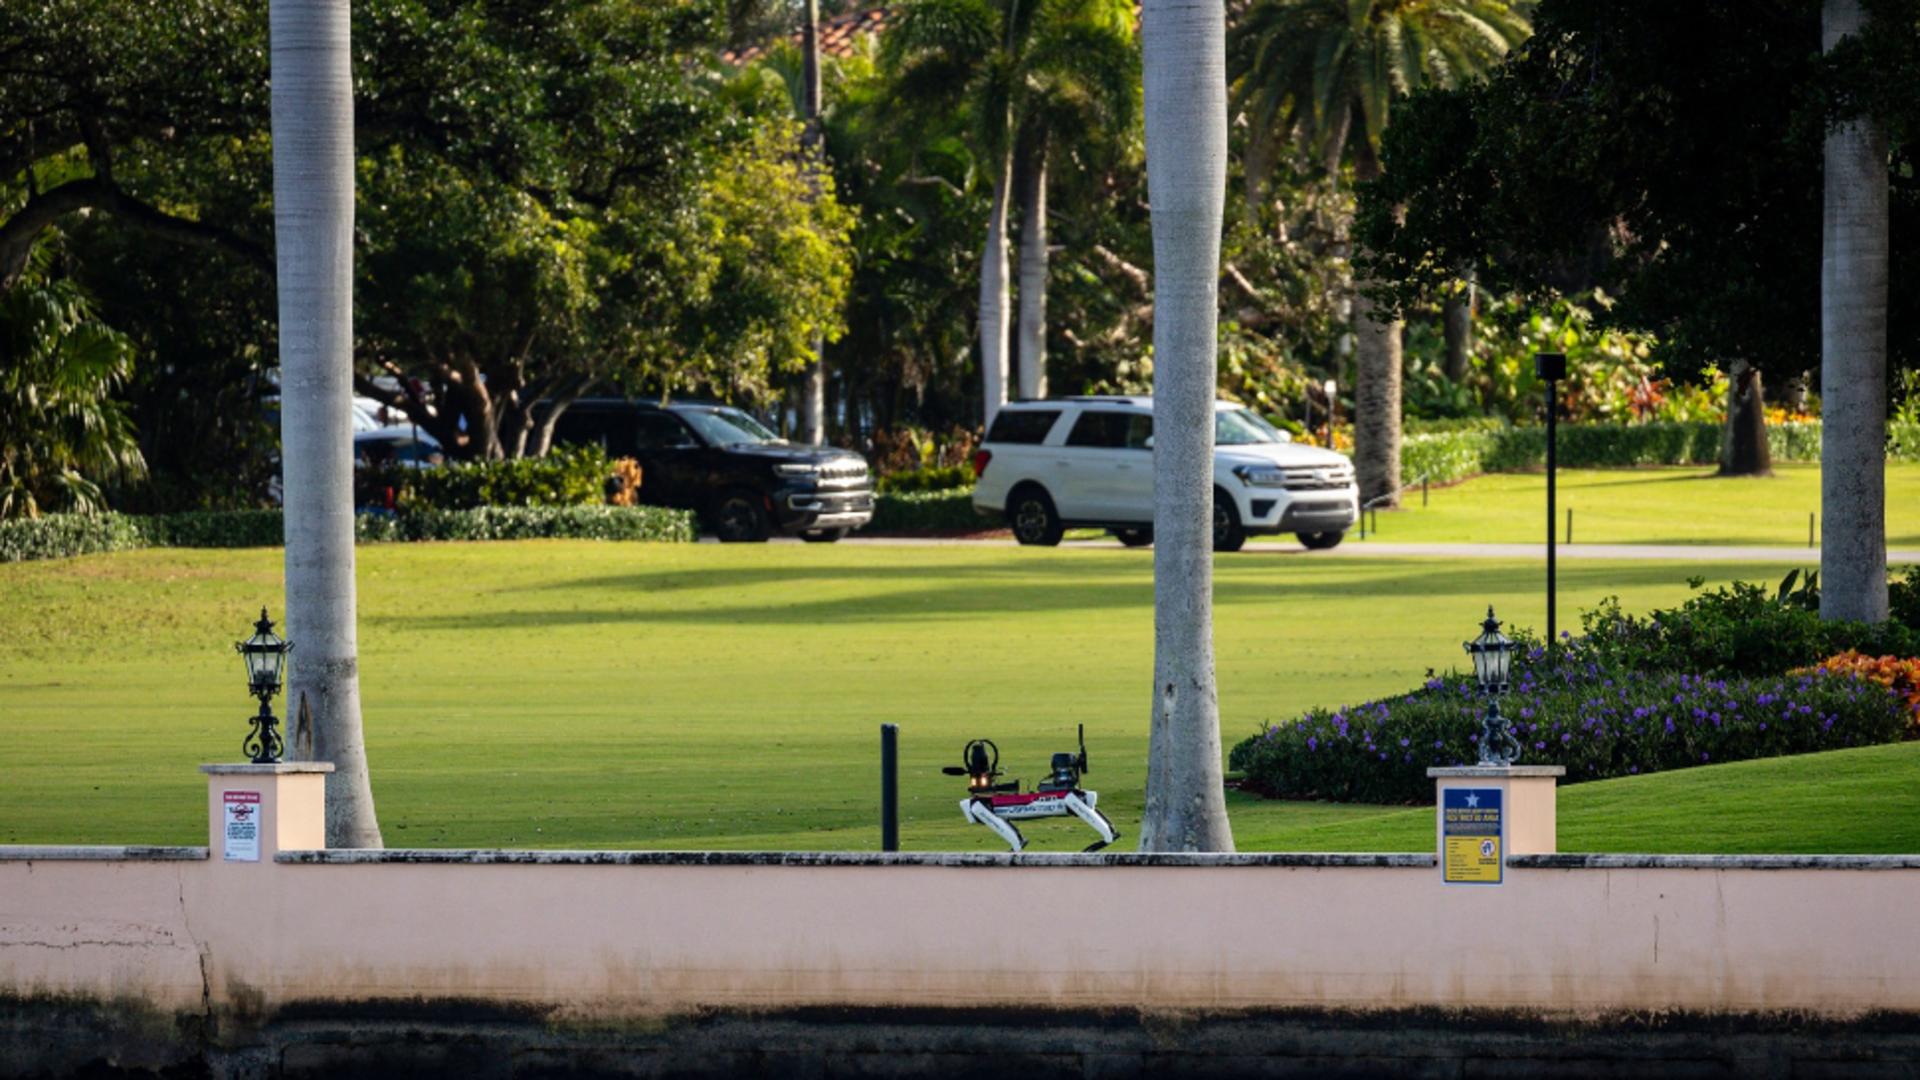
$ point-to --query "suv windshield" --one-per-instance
(726, 427)
(1240, 427)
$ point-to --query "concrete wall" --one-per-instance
(604, 935)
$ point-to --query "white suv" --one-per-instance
(1088, 461)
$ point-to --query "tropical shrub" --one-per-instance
(908, 449)
(61, 431)
(1742, 629)
(1571, 713)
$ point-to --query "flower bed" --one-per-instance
(1900, 674)
(1598, 725)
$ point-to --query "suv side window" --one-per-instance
(660, 431)
(581, 426)
(1099, 428)
(1140, 431)
(1022, 426)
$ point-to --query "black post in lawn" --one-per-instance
(1551, 367)
(889, 787)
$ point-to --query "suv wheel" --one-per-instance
(1031, 516)
(1134, 537)
(823, 536)
(1228, 535)
(740, 517)
(1321, 541)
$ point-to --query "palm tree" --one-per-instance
(61, 432)
(1853, 355)
(1186, 114)
(1311, 72)
(813, 382)
(313, 240)
(1031, 73)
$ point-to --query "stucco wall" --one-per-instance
(632, 934)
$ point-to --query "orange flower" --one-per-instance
(1897, 673)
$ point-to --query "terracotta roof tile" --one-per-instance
(839, 36)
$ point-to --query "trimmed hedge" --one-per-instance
(1445, 456)
(927, 511)
(56, 536)
(937, 478)
(530, 523)
(566, 476)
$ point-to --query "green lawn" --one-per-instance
(1667, 505)
(1849, 801)
(557, 693)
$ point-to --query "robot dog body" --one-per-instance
(998, 805)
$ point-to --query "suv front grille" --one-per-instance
(844, 470)
(1327, 478)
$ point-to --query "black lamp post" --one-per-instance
(1492, 654)
(1551, 367)
(266, 658)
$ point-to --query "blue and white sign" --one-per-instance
(1473, 833)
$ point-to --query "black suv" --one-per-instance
(744, 481)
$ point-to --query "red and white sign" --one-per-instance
(242, 817)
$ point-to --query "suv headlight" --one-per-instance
(793, 469)
(1261, 475)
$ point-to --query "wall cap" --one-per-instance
(339, 856)
(278, 768)
(1498, 770)
(1714, 862)
(99, 853)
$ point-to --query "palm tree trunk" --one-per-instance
(1186, 119)
(993, 300)
(1033, 272)
(1853, 357)
(813, 392)
(1376, 404)
(313, 239)
(1457, 313)
(1743, 449)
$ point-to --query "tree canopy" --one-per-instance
(1667, 153)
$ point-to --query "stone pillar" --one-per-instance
(256, 811)
(1528, 800)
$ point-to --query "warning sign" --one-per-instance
(242, 836)
(1472, 833)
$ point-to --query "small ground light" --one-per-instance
(1492, 654)
(265, 655)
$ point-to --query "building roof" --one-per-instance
(839, 36)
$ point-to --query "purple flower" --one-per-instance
(1313, 743)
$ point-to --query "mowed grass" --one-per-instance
(1665, 505)
(577, 694)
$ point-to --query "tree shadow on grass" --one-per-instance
(972, 599)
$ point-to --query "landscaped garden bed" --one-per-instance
(1734, 674)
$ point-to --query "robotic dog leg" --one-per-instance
(1084, 810)
(983, 814)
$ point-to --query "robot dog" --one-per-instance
(998, 805)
